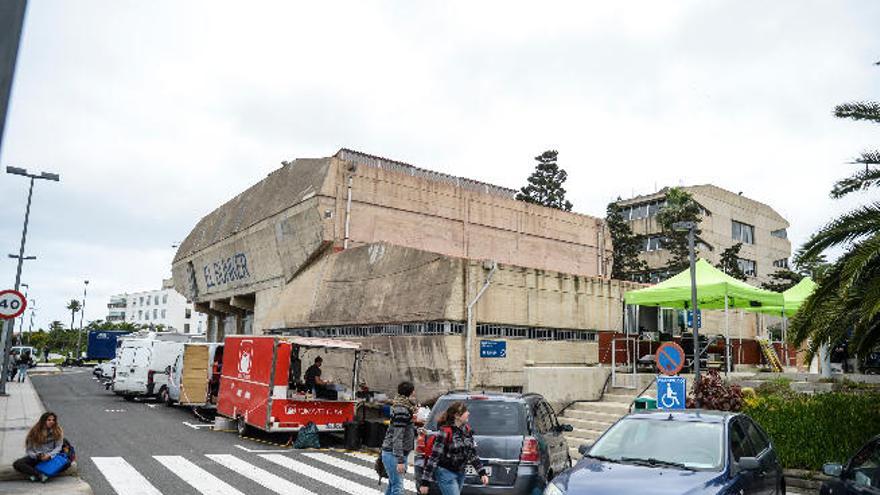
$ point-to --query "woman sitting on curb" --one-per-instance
(44, 441)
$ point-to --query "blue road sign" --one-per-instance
(671, 392)
(690, 318)
(493, 348)
(669, 358)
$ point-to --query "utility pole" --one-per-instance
(82, 314)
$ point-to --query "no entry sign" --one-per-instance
(12, 304)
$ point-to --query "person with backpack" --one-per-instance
(452, 449)
(44, 442)
(400, 437)
(24, 361)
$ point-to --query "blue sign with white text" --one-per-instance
(690, 319)
(493, 348)
(671, 392)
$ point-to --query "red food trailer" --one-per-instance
(258, 388)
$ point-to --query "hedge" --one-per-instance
(810, 430)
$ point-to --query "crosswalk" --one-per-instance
(301, 473)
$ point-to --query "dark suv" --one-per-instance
(518, 439)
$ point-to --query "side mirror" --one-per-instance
(833, 470)
(584, 448)
(749, 464)
(565, 428)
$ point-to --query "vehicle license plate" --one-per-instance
(470, 471)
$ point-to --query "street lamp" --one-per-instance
(82, 314)
(690, 227)
(8, 326)
(21, 327)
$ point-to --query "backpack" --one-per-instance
(307, 438)
(447, 439)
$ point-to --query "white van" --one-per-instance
(142, 367)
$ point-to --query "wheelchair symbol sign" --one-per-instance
(671, 392)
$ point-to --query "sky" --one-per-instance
(154, 113)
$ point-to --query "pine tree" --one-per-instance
(782, 280)
(729, 263)
(680, 207)
(545, 183)
(626, 264)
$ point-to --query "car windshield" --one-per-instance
(695, 445)
(488, 417)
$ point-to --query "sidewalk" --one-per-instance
(18, 412)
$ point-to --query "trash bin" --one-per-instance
(352, 431)
(644, 403)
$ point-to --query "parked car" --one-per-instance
(105, 369)
(861, 475)
(688, 452)
(518, 436)
(871, 363)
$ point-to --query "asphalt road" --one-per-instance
(117, 442)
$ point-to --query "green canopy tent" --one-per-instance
(715, 290)
(792, 300)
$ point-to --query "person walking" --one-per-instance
(453, 450)
(43, 442)
(24, 361)
(400, 437)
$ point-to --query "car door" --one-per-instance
(862, 474)
(558, 446)
(746, 482)
(771, 470)
(541, 428)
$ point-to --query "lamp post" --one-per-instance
(21, 327)
(690, 227)
(8, 326)
(31, 324)
(82, 313)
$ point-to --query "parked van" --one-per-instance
(143, 366)
(193, 373)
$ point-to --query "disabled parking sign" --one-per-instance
(671, 392)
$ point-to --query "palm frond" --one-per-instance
(862, 260)
(863, 179)
(849, 227)
(859, 110)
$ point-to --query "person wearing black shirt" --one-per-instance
(315, 382)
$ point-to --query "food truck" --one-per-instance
(261, 385)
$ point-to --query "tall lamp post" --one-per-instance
(8, 325)
(21, 327)
(82, 313)
(690, 227)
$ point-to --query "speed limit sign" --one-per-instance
(12, 304)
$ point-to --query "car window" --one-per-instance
(488, 417)
(864, 469)
(551, 416)
(696, 444)
(756, 436)
(542, 422)
(740, 446)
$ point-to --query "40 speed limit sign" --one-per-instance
(12, 304)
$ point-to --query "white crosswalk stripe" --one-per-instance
(260, 476)
(203, 481)
(330, 479)
(371, 458)
(351, 467)
(124, 478)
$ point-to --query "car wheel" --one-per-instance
(166, 397)
(129, 398)
(242, 427)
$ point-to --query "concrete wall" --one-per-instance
(561, 385)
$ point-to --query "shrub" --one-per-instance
(779, 385)
(711, 392)
(810, 430)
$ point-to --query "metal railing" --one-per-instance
(630, 357)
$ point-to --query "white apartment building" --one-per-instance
(164, 307)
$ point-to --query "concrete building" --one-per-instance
(728, 218)
(164, 307)
(361, 247)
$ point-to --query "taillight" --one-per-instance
(421, 443)
(150, 376)
(530, 452)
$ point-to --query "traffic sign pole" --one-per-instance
(9, 313)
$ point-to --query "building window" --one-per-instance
(743, 233)
(140, 314)
(783, 263)
(163, 314)
(644, 210)
(165, 299)
(156, 300)
(781, 233)
(188, 313)
(749, 267)
(155, 314)
(654, 243)
(147, 316)
(186, 328)
(142, 301)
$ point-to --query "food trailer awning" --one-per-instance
(315, 342)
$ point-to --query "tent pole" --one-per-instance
(726, 337)
(784, 339)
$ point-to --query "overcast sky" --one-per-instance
(154, 113)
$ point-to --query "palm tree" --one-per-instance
(848, 293)
(73, 306)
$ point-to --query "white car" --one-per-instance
(105, 369)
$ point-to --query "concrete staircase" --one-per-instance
(591, 419)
